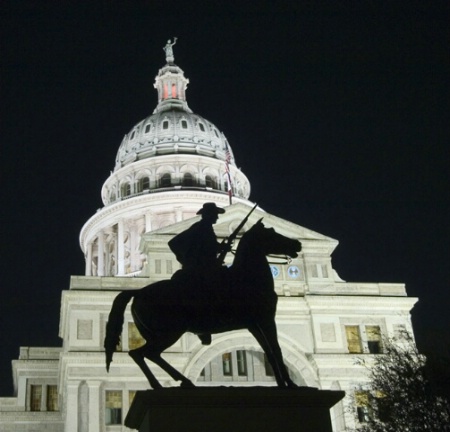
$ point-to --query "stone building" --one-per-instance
(167, 166)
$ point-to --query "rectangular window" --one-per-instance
(35, 397)
(135, 340)
(169, 266)
(374, 339)
(353, 339)
(131, 395)
(113, 407)
(268, 367)
(362, 406)
(313, 270)
(241, 362)
(226, 364)
(157, 266)
(52, 398)
(324, 271)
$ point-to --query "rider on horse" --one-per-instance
(197, 250)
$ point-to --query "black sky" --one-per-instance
(337, 112)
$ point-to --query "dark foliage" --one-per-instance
(404, 393)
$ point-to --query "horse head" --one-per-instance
(269, 242)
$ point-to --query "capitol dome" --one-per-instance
(172, 131)
(167, 166)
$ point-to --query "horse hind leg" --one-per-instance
(138, 355)
(153, 352)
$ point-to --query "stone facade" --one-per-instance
(167, 166)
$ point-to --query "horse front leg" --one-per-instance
(266, 335)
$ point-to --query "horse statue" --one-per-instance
(163, 312)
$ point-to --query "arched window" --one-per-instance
(202, 127)
(210, 182)
(126, 189)
(166, 180)
(188, 180)
(147, 128)
(145, 183)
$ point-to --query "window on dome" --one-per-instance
(174, 91)
(202, 127)
(147, 128)
(145, 183)
(217, 134)
(166, 180)
(188, 180)
(184, 124)
(126, 189)
(165, 124)
(210, 182)
(132, 135)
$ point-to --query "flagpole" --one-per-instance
(227, 170)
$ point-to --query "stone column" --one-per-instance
(120, 249)
(101, 254)
(89, 260)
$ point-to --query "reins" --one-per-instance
(285, 259)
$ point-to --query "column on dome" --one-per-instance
(120, 248)
(88, 258)
(101, 254)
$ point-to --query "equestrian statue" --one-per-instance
(205, 297)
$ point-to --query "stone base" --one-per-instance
(249, 409)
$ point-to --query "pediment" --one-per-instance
(235, 213)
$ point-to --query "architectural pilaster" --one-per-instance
(94, 404)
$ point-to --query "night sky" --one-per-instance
(338, 113)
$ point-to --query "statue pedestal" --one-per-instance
(250, 409)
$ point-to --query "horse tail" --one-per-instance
(115, 323)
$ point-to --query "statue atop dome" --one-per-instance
(169, 50)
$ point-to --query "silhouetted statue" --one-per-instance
(163, 313)
(197, 250)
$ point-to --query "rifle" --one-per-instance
(227, 243)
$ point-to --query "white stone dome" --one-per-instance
(172, 131)
(173, 127)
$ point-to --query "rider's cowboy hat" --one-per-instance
(210, 208)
